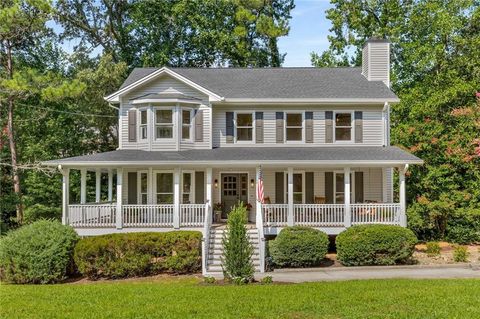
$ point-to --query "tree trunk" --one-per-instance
(11, 140)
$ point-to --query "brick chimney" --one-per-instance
(376, 60)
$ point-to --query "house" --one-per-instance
(190, 138)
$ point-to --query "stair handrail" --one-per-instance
(261, 237)
(206, 236)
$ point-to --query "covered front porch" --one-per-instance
(164, 198)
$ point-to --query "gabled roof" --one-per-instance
(235, 84)
(334, 155)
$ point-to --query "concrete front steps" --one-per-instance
(215, 250)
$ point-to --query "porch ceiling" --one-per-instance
(249, 156)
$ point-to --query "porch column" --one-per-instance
(110, 185)
(346, 193)
(176, 198)
(258, 204)
(83, 186)
(65, 194)
(403, 198)
(290, 217)
(98, 186)
(119, 215)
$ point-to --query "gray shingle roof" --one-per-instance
(249, 154)
(325, 83)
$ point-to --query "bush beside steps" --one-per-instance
(298, 247)
(139, 254)
(365, 245)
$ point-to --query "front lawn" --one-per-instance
(184, 297)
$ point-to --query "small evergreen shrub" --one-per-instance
(139, 254)
(38, 253)
(267, 280)
(375, 245)
(237, 249)
(433, 249)
(299, 246)
(209, 280)
(460, 254)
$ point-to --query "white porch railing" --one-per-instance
(329, 215)
(207, 224)
(148, 215)
(92, 215)
(388, 213)
(192, 215)
(275, 214)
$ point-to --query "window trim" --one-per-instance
(154, 191)
(352, 125)
(352, 186)
(172, 124)
(140, 125)
(189, 125)
(252, 113)
(139, 186)
(285, 126)
(286, 185)
(192, 186)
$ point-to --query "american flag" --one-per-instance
(260, 194)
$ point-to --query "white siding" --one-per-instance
(372, 126)
(376, 64)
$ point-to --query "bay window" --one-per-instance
(164, 123)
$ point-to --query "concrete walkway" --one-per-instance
(374, 272)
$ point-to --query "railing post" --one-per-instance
(346, 193)
(402, 196)
(65, 194)
(258, 204)
(290, 217)
(119, 213)
(176, 198)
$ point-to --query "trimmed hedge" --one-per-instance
(375, 245)
(139, 254)
(38, 253)
(298, 246)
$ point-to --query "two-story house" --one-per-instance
(190, 138)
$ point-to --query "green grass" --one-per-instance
(185, 298)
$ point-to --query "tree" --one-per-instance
(435, 72)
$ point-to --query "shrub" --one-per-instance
(267, 280)
(209, 280)
(298, 246)
(460, 254)
(375, 245)
(433, 249)
(40, 252)
(463, 234)
(237, 249)
(139, 254)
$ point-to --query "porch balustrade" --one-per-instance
(275, 214)
(328, 215)
(92, 215)
(148, 215)
(376, 214)
(192, 215)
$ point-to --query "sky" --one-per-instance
(308, 32)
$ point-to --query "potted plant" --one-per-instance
(217, 211)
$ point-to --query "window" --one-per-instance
(164, 188)
(143, 124)
(340, 188)
(343, 126)
(297, 187)
(186, 124)
(244, 126)
(294, 126)
(187, 188)
(143, 187)
(164, 123)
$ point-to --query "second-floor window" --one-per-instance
(294, 127)
(143, 124)
(186, 124)
(244, 126)
(343, 126)
(164, 123)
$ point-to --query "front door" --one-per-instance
(234, 189)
